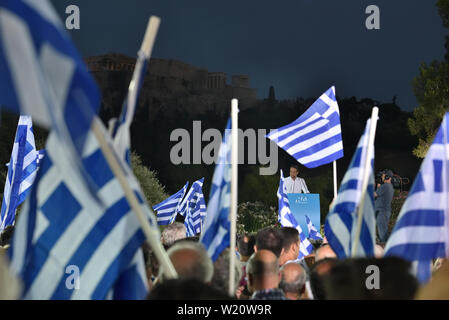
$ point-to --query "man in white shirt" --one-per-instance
(295, 184)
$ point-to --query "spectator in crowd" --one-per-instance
(293, 280)
(269, 239)
(190, 260)
(245, 246)
(220, 279)
(388, 278)
(185, 289)
(264, 276)
(173, 232)
(378, 251)
(290, 241)
(318, 274)
(325, 251)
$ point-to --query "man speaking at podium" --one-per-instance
(295, 184)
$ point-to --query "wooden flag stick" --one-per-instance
(366, 176)
(233, 211)
(152, 236)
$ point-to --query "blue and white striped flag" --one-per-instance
(341, 223)
(286, 219)
(313, 232)
(193, 208)
(76, 226)
(421, 232)
(21, 173)
(196, 212)
(40, 157)
(217, 226)
(166, 210)
(314, 139)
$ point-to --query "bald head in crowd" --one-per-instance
(263, 271)
(293, 280)
(191, 260)
(325, 251)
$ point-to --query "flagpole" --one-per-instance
(152, 238)
(366, 176)
(234, 177)
(335, 179)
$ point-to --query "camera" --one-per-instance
(396, 181)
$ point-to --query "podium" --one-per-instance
(302, 204)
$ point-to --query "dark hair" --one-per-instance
(270, 239)
(289, 236)
(185, 289)
(349, 278)
(319, 272)
(6, 235)
(294, 166)
(245, 244)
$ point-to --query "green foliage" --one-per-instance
(259, 188)
(253, 216)
(431, 88)
(323, 185)
(151, 187)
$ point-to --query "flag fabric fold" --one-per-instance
(313, 232)
(167, 209)
(314, 139)
(77, 237)
(421, 232)
(217, 226)
(341, 222)
(22, 169)
(193, 208)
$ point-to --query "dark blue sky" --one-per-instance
(301, 47)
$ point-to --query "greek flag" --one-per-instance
(121, 128)
(40, 157)
(77, 237)
(217, 227)
(341, 223)
(21, 173)
(421, 232)
(314, 139)
(196, 211)
(286, 219)
(313, 232)
(166, 210)
(193, 208)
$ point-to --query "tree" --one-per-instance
(431, 89)
(151, 187)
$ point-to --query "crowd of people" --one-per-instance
(268, 269)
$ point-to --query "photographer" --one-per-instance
(384, 196)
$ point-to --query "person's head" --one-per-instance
(290, 240)
(319, 272)
(269, 239)
(378, 251)
(185, 289)
(293, 280)
(371, 279)
(245, 245)
(191, 260)
(387, 175)
(220, 279)
(173, 232)
(263, 271)
(294, 171)
(323, 252)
